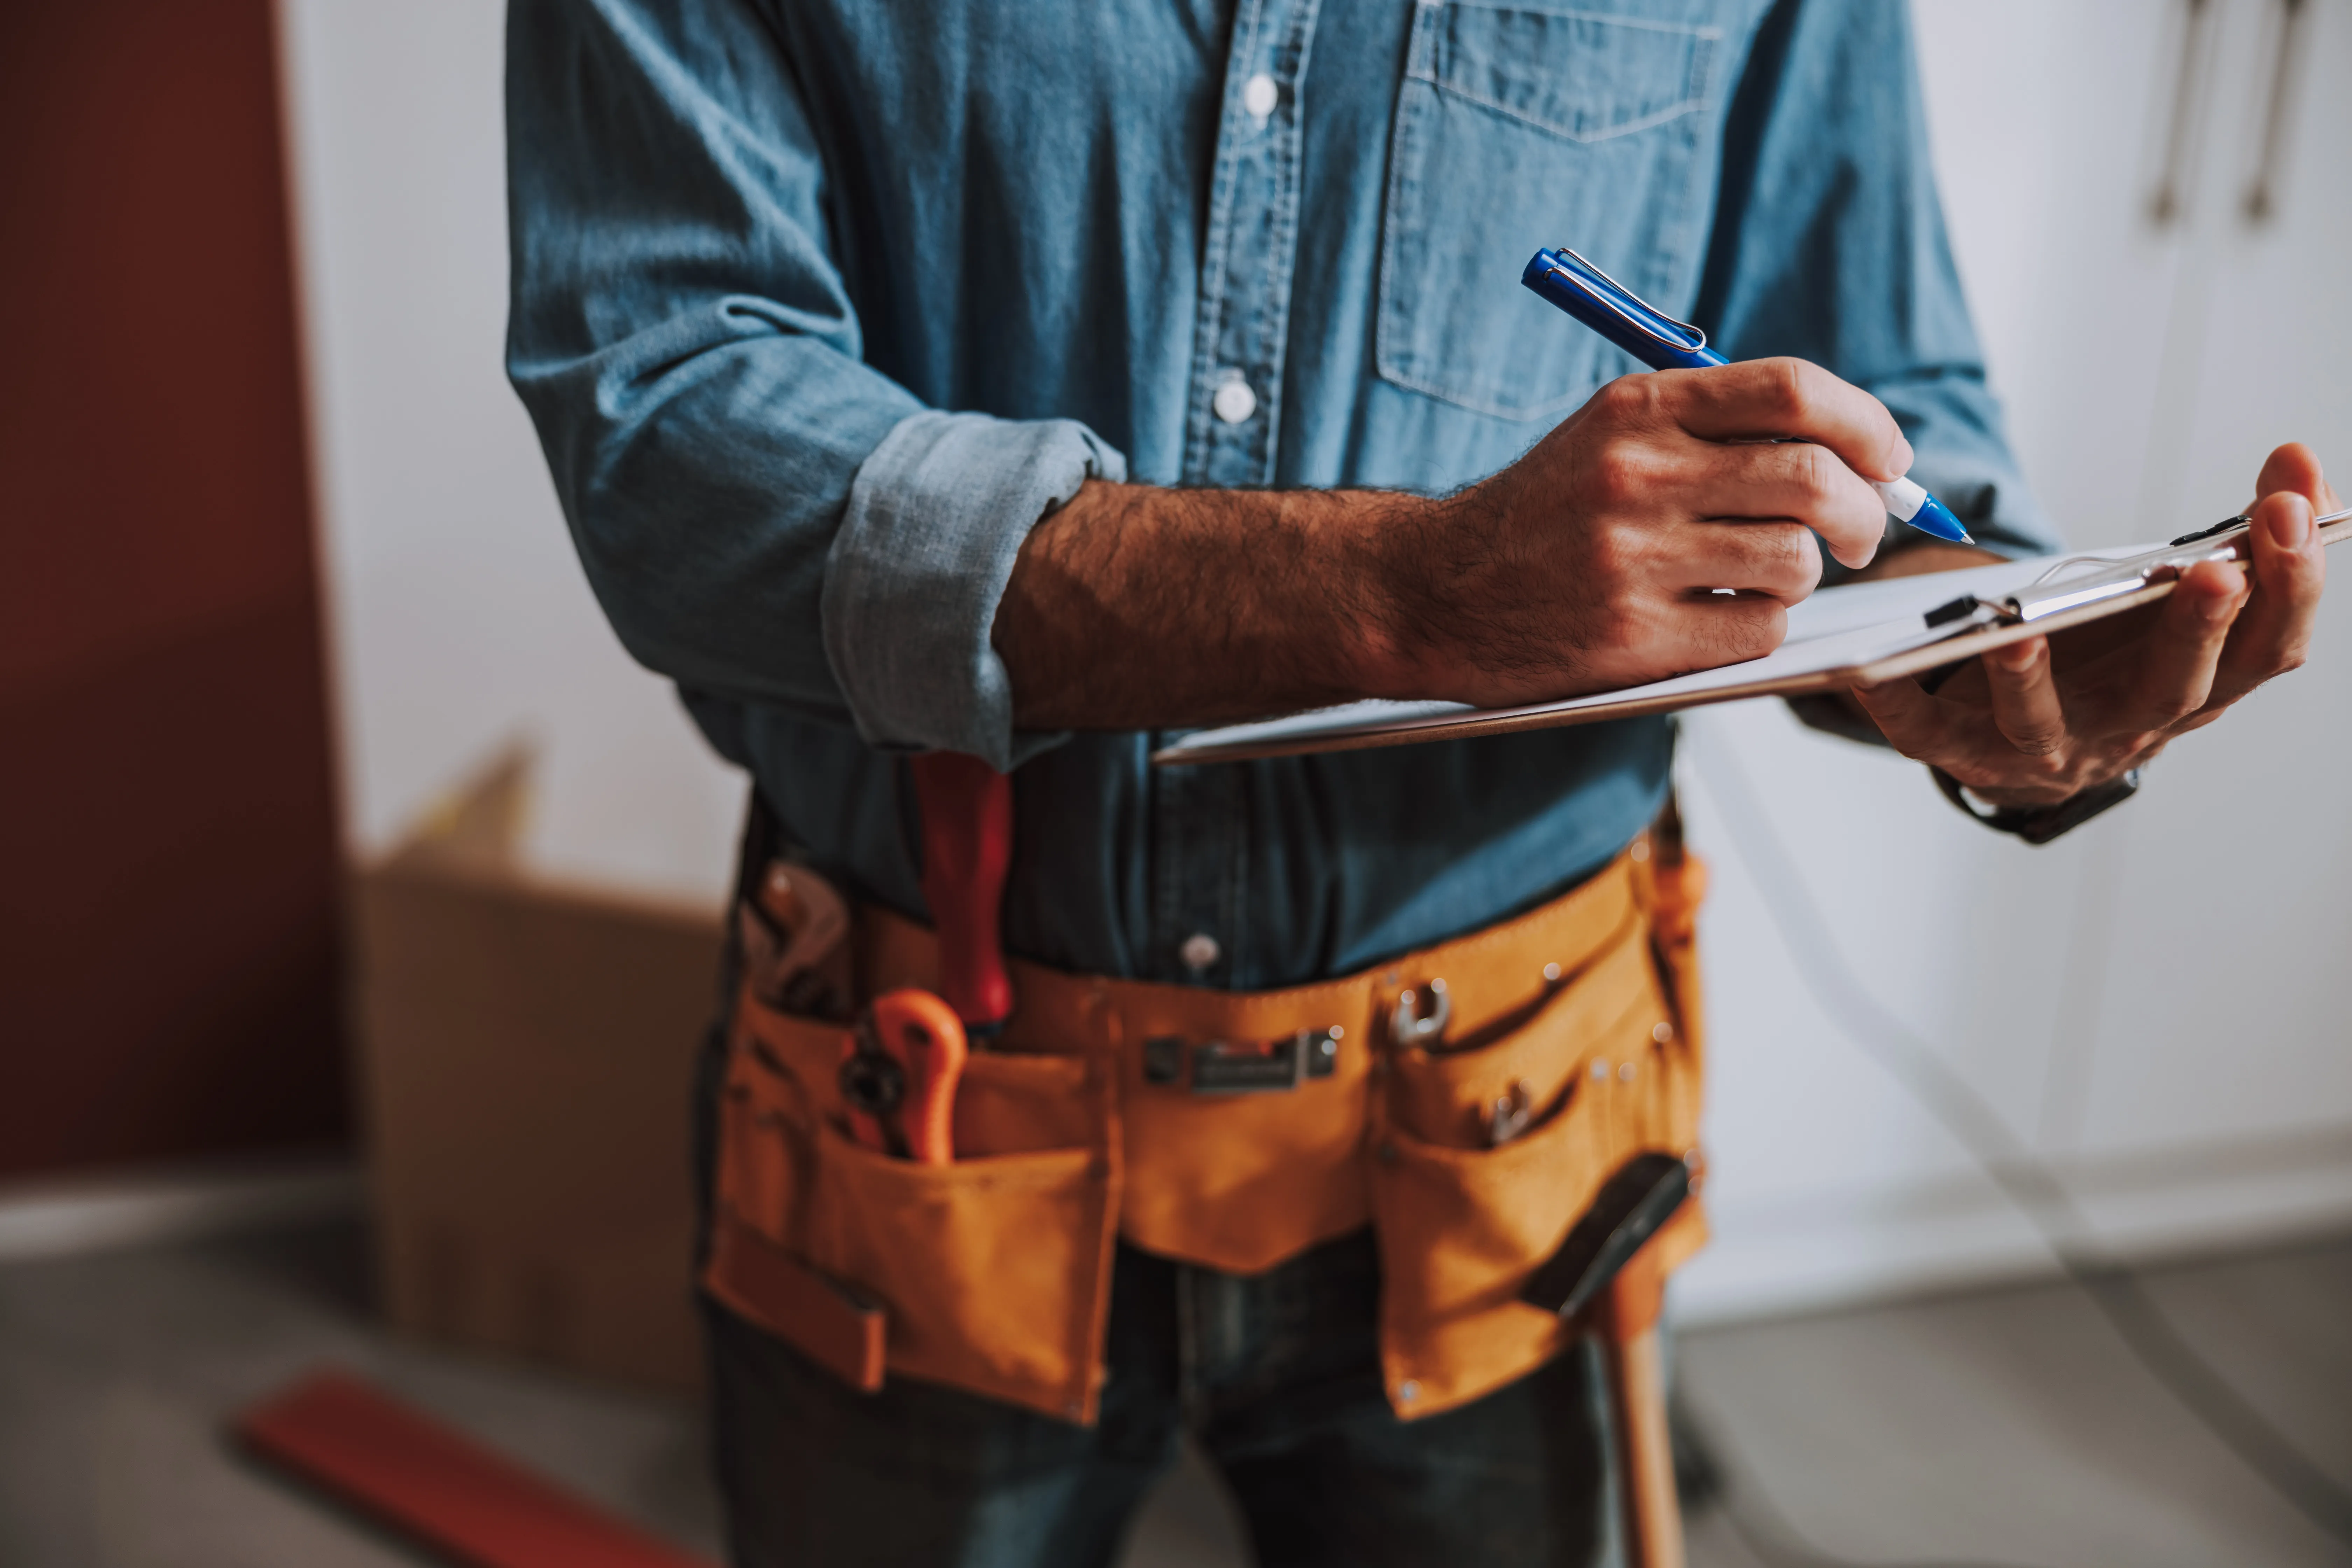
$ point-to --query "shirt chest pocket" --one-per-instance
(1518, 127)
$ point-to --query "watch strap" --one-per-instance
(2040, 824)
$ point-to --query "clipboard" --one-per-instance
(1857, 633)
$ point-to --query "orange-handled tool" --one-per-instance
(967, 810)
(899, 1076)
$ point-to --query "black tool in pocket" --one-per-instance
(1630, 1208)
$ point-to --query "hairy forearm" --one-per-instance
(1141, 607)
(1594, 561)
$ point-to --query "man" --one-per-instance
(1024, 380)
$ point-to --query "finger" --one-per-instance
(1921, 726)
(1709, 632)
(1913, 721)
(1780, 560)
(1789, 397)
(1790, 480)
(2026, 708)
(2177, 659)
(2294, 467)
(2273, 633)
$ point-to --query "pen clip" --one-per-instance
(1697, 333)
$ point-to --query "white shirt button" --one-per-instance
(1200, 951)
(1260, 96)
(1233, 401)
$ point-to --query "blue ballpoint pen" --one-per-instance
(1660, 342)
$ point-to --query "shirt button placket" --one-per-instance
(1247, 288)
(1199, 924)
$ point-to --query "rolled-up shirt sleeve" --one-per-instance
(1828, 244)
(762, 515)
(935, 518)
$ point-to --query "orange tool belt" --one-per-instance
(1466, 1101)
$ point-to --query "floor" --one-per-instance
(2005, 1428)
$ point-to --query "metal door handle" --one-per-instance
(2170, 197)
(2262, 197)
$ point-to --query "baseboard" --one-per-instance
(1777, 1258)
(51, 1219)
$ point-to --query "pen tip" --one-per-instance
(1967, 538)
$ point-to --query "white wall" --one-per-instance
(458, 617)
(2154, 1002)
(2155, 1005)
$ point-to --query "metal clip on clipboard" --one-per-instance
(2044, 598)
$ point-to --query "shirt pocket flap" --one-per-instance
(1518, 127)
(1578, 74)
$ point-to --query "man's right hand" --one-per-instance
(1591, 562)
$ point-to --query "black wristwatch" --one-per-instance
(2040, 824)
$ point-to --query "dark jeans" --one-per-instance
(1276, 1376)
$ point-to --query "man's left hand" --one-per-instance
(2040, 720)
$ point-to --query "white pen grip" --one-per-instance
(1903, 497)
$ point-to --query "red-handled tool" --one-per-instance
(899, 1076)
(967, 810)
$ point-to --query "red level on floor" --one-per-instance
(408, 1470)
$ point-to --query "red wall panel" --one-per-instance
(168, 883)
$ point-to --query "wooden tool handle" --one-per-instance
(1637, 1409)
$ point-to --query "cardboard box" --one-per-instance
(527, 1055)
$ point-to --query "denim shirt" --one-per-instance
(819, 305)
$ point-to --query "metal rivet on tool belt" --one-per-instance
(1408, 1027)
(1508, 1115)
(1662, 1032)
(1408, 1391)
(1199, 952)
(1641, 849)
(1600, 1066)
(1625, 1071)
(1552, 973)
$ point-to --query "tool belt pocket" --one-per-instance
(1487, 1152)
(989, 1274)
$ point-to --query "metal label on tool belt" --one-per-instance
(1227, 1067)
